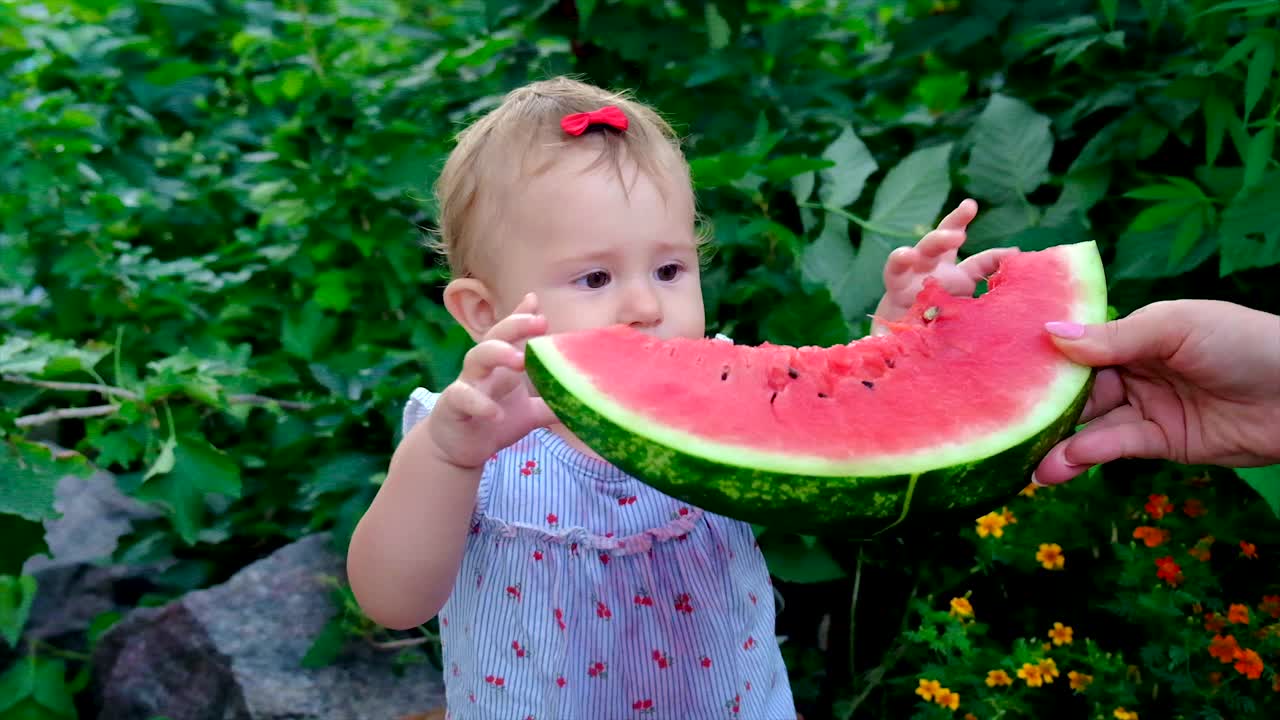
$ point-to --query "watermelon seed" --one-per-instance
(869, 384)
(724, 374)
(792, 372)
(931, 313)
(772, 398)
(890, 362)
(822, 395)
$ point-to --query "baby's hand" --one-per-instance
(935, 256)
(489, 407)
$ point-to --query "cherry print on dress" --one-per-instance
(644, 706)
(597, 669)
(705, 662)
(682, 603)
(642, 598)
(518, 649)
(661, 659)
(530, 468)
(513, 591)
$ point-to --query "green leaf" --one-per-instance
(17, 684)
(327, 645)
(829, 261)
(1258, 158)
(843, 183)
(912, 194)
(585, 10)
(45, 356)
(1218, 114)
(16, 596)
(50, 688)
(784, 168)
(1190, 230)
(31, 473)
(1259, 76)
(1109, 11)
(199, 469)
(717, 27)
(1238, 52)
(1161, 214)
(999, 226)
(1012, 145)
(1249, 234)
(793, 560)
(1145, 255)
(306, 330)
(1265, 480)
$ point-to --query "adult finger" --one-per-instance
(1054, 468)
(1108, 394)
(1139, 438)
(1150, 335)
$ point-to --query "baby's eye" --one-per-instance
(669, 272)
(595, 279)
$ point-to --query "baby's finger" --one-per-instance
(500, 383)
(938, 243)
(482, 359)
(528, 305)
(983, 264)
(516, 328)
(960, 218)
(468, 402)
(897, 270)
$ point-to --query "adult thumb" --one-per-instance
(1141, 336)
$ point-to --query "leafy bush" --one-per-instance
(212, 283)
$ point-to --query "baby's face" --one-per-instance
(596, 256)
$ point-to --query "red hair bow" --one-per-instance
(577, 123)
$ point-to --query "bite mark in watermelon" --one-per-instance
(945, 416)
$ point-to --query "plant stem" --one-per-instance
(864, 224)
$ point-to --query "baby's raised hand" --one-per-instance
(935, 256)
(489, 406)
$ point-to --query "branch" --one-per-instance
(52, 416)
(399, 644)
(72, 386)
(264, 400)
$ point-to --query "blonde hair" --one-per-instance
(498, 149)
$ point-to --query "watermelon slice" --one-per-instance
(943, 418)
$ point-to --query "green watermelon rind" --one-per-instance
(818, 496)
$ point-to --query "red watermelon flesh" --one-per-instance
(984, 360)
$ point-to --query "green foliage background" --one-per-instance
(211, 269)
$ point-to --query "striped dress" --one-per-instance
(585, 594)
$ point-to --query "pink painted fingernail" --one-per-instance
(1067, 330)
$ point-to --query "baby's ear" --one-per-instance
(471, 303)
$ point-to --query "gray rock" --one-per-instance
(234, 651)
(76, 580)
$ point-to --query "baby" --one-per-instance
(564, 587)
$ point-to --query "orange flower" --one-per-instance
(928, 689)
(1275, 682)
(1122, 714)
(970, 716)
(1158, 505)
(1009, 517)
(1061, 634)
(998, 677)
(1050, 556)
(1031, 673)
(1169, 571)
(1224, 648)
(1249, 550)
(1215, 678)
(1048, 668)
(1249, 664)
(947, 699)
(1214, 623)
(1028, 491)
(991, 524)
(1193, 508)
(1271, 605)
(1238, 614)
(1152, 537)
(960, 607)
(1079, 681)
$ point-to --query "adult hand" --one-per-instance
(1193, 381)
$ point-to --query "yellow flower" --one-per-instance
(1049, 669)
(1122, 714)
(1029, 491)
(948, 699)
(960, 607)
(1061, 634)
(1031, 674)
(1008, 516)
(991, 524)
(928, 689)
(1050, 556)
(970, 716)
(1079, 681)
(998, 677)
